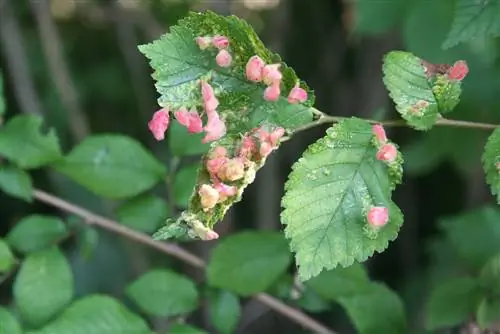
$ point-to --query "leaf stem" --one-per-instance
(90, 218)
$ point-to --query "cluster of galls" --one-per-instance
(387, 152)
(227, 170)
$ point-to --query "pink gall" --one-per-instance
(225, 190)
(218, 152)
(458, 71)
(276, 135)
(248, 148)
(224, 58)
(204, 42)
(215, 164)
(215, 128)
(182, 116)
(387, 152)
(254, 68)
(272, 93)
(190, 119)
(379, 132)
(232, 170)
(297, 95)
(378, 216)
(209, 100)
(271, 74)
(158, 124)
(220, 42)
(211, 235)
(209, 196)
(265, 149)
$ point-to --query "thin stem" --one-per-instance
(107, 224)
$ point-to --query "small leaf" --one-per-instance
(248, 262)
(96, 314)
(43, 286)
(112, 166)
(474, 19)
(377, 310)
(144, 213)
(225, 311)
(491, 163)
(182, 143)
(474, 235)
(488, 312)
(184, 182)
(16, 182)
(8, 323)
(22, 142)
(452, 303)
(184, 329)
(340, 282)
(36, 232)
(328, 194)
(490, 275)
(164, 293)
(7, 259)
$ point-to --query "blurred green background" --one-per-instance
(75, 62)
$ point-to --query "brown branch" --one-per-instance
(177, 252)
(53, 50)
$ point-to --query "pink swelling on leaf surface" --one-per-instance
(387, 152)
(378, 216)
(379, 132)
(276, 135)
(215, 128)
(220, 42)
(211, 235)
(458, 71)
(297, 95)
(209, 196)
(203, 42)
(158, 124)
(265, 149)
(271, 74)
(254, 68)
(209, 100)
(224, 58)
(190, 119)
(225, 190)
(272, 93)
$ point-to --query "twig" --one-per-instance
(175, 251)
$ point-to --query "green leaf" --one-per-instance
(112, 166)
(248, 262)
(3, 107)
(22, 142)
(491, 163)
(184, 182)
(329, 192)
(184, 329)
(377, 310)
(488, 312)
(8, 324)
(378, 17)
(144, 213)
(225, 311)
(474, 19)
(312, 302)
(35, 232)
(182, 143)
(96, 314)
(88, 240)
(474, 235)
(490, 275)
(452, 303)
(164, 293)
(43, 286)
(16, 182)
(7, 259)
(340, 282)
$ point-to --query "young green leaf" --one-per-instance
(22, 142)
(112, 166)
(144, 213)
(376, 310)
(96, 314)
(182, 143)
(452, 303)
(35, 232)
(474, 235)
(184, 182)
(490, 275)
(474, 19)
(43, 286)
(488, 312)
(7, 259)
(491, 163)
(248, 262)
(16, 182)
(328, 195)
(164, 293)
(8, 323)
(420, 90)
(184, 329)
(225, 311)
